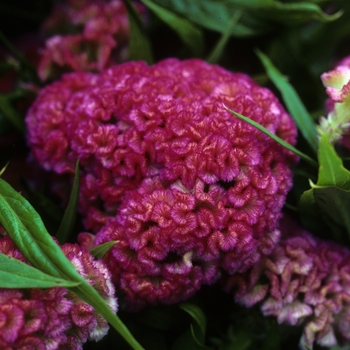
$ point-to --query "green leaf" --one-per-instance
(100, 250)
(197, 314)
(217, 51)
(140, 47)
(190, 35)
(216, 14)
(3, 169)
(259, 16)
(297, 13)
(274, 137)
(331, 171)
(334, 204)
(16, 274)
(69, 216)
(27, 231)
(294, 105)
(194, 337)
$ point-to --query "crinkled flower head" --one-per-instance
(86, 35)
(337, 83)
(182, 185)
(53, 318)
(304, 281)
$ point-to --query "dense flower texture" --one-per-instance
(184, 187)
(304, 281)
(53, 318)
(84, 35)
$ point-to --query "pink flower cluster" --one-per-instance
(85, 35)
(304, 281)
(183, 186)
(53, 318)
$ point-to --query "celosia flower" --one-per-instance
(337, 83)
(182, 185)
(304, 281)
(85, 35)
(53, 318)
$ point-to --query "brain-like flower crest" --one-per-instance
(304, 281)
(54, 318)
(183, 186)
(84, 35)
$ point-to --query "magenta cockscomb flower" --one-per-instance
(184, 187)
(53, 318)
(304, 281)
(84, 35)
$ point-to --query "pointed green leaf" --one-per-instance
(297, 13)
(274, 137)
(100, 250)
(16, 274)
(199, 343)
(190, 35)
(215, 55)
(194, 336)
(69, 216)
(294, 105)
(216, 14)
(259, 16)
(2, 170)
(140, 47)
(331, 171)
(27, 231)
(198, 315)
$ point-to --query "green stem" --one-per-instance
(215, 54)
(274, 137)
